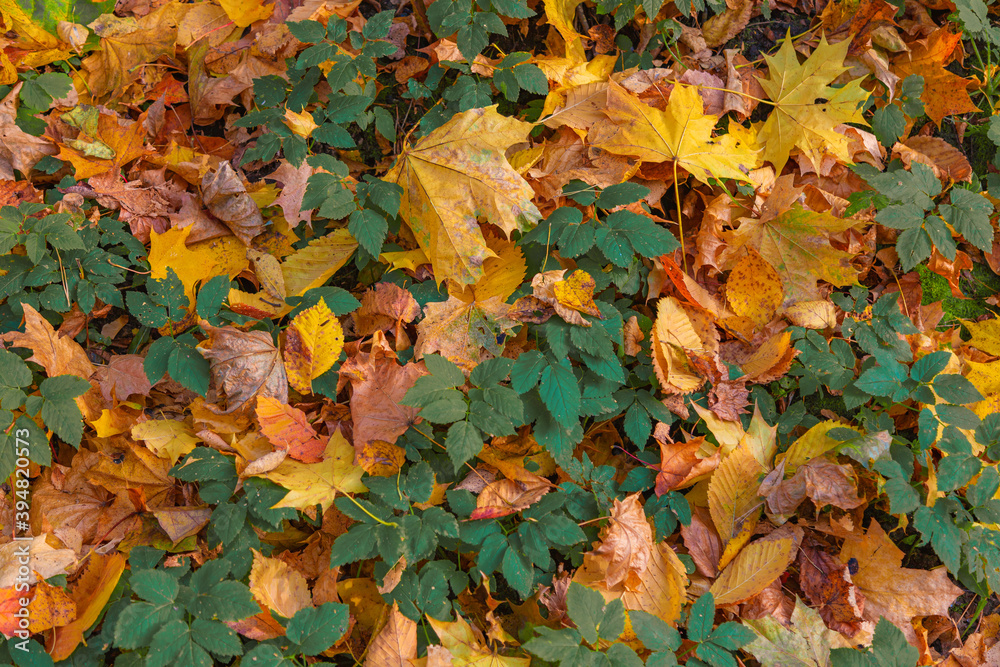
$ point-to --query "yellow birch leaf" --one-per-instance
(312, 483)
(245, 12)
(278, 587)
(313, 342)
(167, 438)
(456, 175)
(682, 133)
(577, 293)
(814, 442)
(732, 495)
(757, 565)
(313, 265)
(985, 335)
(754, 289)
(395, 645)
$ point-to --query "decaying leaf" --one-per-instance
(244, 365)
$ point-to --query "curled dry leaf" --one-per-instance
(226, 197)
(570, 298)
(507, 496)
(386, 307)
(947, 162)
(90, 592)
(683, 464)
(828, 586)
(822, 481)
(245, 364)
(395, 645)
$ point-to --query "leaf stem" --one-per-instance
(361, 507)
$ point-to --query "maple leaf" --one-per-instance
(455, 175)
(125, 140)
(167, 438)
(379, 384)
(895, 592)
(682, 133)
(796, 242)
(313, 342)
(805, 643)
(806, 108)
(387, 307)
(196, 263)
(309, 484)
(123, 377)
(944, 93)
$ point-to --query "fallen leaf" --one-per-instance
(682, 133)
(464, 333)
(395, 645)
(312, 483)
(508, 496)
(828, 586)
(806, 643)
(754, 289)
(756, 566)
(167, 438)
(822, 481)
(275, 585)
(18, 149)
(733, 501)
(806, 108)
(287, 429)
(945, 93)
(226, 197)
(123, 377)
(245, 364)
(50, 607)
(682, 464)
(895, 592)
(313, 342)
(90, 592)
(452, 176)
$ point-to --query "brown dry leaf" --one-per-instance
(626, 544)
(46, 561)
(507, 496)
(18, 149)
(822, 481)
(702, 542)
(386, 307)
(58, 355)
(123, 377)
(729, 399)
(395, 645)
(828, 587)
(947, 162)
(378, 384)
(895, 592)
(771, 360)
(181, 522)
(226, 197)
(245, 364)
(275, 585)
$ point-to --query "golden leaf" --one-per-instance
(167, 438)
(275, 585)
(313, 342)
(756, 566)
(313, 265)
(287, 429)
(312, 483)
(754, 289)
(456, 174)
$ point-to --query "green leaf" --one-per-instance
(266, 655)
(654, 632)
(157, 358)
(621, 194)
(937, 526)
(956, 389)
(227, 600)
(701, 618)
(969, 213)
(891, 647)
(732, 635)
(527, 370)
(462, 443)
(444, 370)
(560, 391)
(173, 644)
(193, 371)
(369, 228)
(216, 637)
(315, 629)
(518, 572)
(154, 586)
(64, 418)
(586, 609)
(562, 646)
(211, 296)
(227, 521)
(63, 387)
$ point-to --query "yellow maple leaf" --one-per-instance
(312, 483)
(313, 342)
(245, 12)
(806, 107)
(682, 133)
(195, 263)
(167, 438)
(454, 176)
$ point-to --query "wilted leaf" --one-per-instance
(277, 586)
(245, 364)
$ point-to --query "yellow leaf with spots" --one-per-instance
(577, 293)
(381, 459)
(167, 438)
(985, 335)
(313, 342)
(312, 483)
(50, 607)
(754, 289)
(502, 274)
(245, 12)
(985, 376)
(732, 498)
